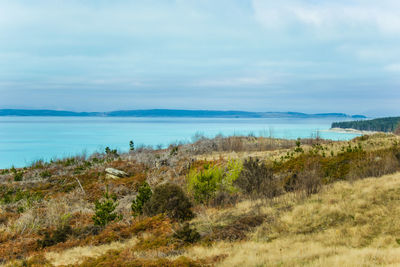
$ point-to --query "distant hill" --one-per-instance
(389, 124)
(173, 113)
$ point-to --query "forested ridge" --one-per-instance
(389, 124)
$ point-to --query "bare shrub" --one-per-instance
(308, 179)
(257, 180)
(397, 131)
(224, 199)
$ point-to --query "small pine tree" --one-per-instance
(131, 146)
(105, 210)
(111, 152)
(298, 148)
(143, 196)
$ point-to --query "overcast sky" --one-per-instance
(261, 55)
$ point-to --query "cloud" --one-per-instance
(337, 18)
(393, 67)
(260, 54)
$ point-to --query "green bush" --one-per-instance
(45, 174)
(144, 195)
(174, 150)
(13, 195)
(171, 200)
(105, 210)
(18, 175)
(205, 184)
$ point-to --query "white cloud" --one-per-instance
(393, 67)
(336, 17)
(233, 82)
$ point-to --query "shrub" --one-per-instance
(58, 236)
(18, 175)
(143, 196)
(397, 131)
(298, 148)
(187, 234)
(111, 153)
(307, 180)
(257, 179)
(238, 229)
(223, 199)
(174, 150)
(105, 210)
(170, 199)
(205, 184)
(45, 174)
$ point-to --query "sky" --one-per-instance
(308, 56)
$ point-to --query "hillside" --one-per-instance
(235, 201)
(378, 125)
(173, 113)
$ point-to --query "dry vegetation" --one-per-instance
(236, 201)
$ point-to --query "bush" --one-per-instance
(18, 175)
(238, 229)
(257, 180)
(397, 131)
(170, 199)
(105, 210)
(112, 153)
(58, 236)
(205, 184)
(223, 199)
(308, 180)
(143, 196)
(187, 234)
(45, 174)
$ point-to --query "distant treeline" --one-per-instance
(389, 124)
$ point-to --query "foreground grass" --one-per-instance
(346, 224)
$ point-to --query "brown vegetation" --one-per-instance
(287, 192)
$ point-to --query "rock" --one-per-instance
(112, 173)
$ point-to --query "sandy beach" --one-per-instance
(350, 130)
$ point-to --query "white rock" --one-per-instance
(115, 174)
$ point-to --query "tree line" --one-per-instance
(389, 124)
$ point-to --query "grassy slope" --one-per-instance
(344, 225)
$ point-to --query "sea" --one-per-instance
(24, 140)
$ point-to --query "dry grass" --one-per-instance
(369, 143)
(344, 225)
(77, 255)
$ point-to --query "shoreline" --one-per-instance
(351, 130)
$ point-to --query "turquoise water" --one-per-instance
(25, 139)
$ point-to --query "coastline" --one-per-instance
(351, 130)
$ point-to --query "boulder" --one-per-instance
(112, 173)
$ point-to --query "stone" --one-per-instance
(112, 173)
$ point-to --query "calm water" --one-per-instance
(25, 139)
